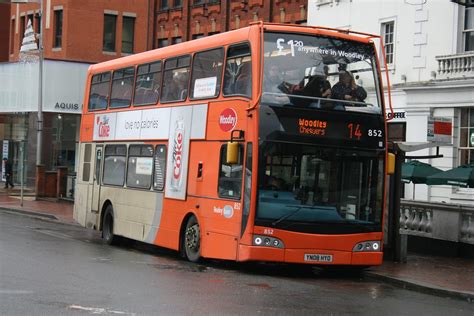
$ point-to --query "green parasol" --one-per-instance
(417, 172)
(462, 176)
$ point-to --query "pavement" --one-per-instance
(442, 276)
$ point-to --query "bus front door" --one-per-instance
(99, 151)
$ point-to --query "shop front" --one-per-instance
(63, 90)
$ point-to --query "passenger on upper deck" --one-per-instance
(347, 89)
(273, 85)
(177, 90)
(326, 86)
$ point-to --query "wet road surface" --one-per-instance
(49, 268)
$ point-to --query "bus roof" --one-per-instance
(227, 38)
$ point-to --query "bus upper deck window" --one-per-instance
(148, 84)
(122, 87)
(99, 91)
(207, 72)
(238, 71)
(176, 79)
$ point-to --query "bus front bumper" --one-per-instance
(309, 256)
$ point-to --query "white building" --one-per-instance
(430, 55)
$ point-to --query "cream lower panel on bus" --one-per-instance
(83, 207)
(137, 213)
(80, 203)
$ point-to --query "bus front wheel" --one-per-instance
(108, 226)
(192, 240)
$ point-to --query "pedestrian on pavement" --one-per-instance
(8, 173)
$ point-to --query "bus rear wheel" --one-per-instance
(192, 240)
(108, 226)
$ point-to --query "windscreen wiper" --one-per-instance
(289, 214)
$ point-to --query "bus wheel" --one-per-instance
(108, 226)
(192, 240)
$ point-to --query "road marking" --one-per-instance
(98, 310)
(3, 291)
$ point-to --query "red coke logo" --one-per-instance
(104, 127)
(177, 155)
(228, 120)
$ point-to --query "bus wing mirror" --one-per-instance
(390, 163)
(232, 154)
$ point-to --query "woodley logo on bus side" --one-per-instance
(228, 120)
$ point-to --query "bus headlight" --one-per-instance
(267, 241)
(373, 245)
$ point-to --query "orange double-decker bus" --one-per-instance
(267, 143)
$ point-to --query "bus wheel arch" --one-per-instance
(190, 238)
(107, 223)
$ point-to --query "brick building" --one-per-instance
(183, 20)
(84, 30)
(75, 35)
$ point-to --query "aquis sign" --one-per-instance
(228, 120)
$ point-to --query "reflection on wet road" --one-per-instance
(50, 268)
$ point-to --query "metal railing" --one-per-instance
(457, 65)
(437, 220)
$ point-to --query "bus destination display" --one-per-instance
(359, 130)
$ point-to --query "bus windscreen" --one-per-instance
(320, 72)
(315, 189)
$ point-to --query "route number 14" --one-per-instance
(354, 131)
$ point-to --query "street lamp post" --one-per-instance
(39, 136)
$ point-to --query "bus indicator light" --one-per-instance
(228, 120)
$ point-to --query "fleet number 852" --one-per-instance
(374, 133)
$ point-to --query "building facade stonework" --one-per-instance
(431, 70)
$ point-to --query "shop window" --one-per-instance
(114, 164)
(388, 40)
(466, 139)
(176, 40)
(38, 23)
(140, 166)
(468, 32)
(178, 3)
(230, 175)
(176, 79)
(207, 72)
(22, 29)
(162, 42)
(122, 87)
(396, 131)
(12, 37)
(160, 168)
(58, 28)
(164, 4)
(99, 91)
(148, 84)
(128, 30)
(238, 71)
(110, 28)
